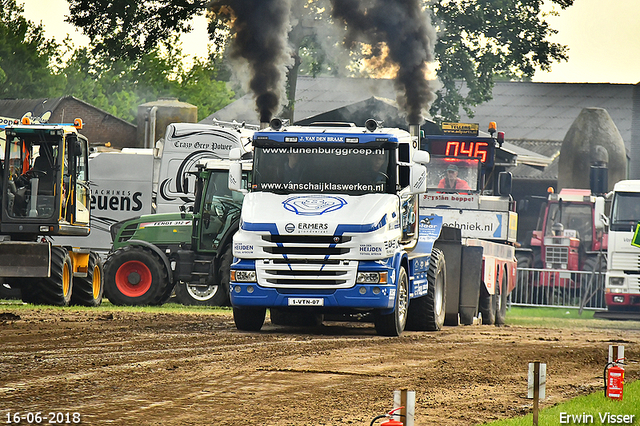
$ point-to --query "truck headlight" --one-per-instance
(618, 299)
(239, 275)
(371, 278)
(616, 280)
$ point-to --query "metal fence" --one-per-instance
(559, 288)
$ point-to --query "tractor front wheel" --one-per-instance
(136, 276)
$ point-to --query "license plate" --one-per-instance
(300, 301)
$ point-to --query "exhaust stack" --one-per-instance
(414, 130)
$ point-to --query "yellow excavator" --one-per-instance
(45, 193)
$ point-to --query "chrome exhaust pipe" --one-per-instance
(414, 130)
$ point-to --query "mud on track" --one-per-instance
(123, 368)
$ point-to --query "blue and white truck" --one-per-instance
(336, 225)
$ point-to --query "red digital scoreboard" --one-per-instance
(463, 147)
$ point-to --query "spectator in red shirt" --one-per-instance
(451, 180)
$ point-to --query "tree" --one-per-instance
(119, 85)
(27, 58)
(478, 40)
(129, 29)
(481, 40)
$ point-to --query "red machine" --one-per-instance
(569, 236)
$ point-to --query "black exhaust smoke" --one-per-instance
(262, 28)
(404, 28)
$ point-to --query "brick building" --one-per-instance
(100, 127)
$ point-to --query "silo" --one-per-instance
(153, 118)
(592, 139)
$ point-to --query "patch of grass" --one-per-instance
(563, 318)
(595, 405)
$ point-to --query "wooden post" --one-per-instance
(537, 384)
(536, 391)
(407, 399)
(616, 352)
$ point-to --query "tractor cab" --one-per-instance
(45, 187)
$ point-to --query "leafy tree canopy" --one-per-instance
(119, 85)
(478, 40)
(32, 66)
(27, 58)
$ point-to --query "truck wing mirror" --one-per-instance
(235, 154)
(523, 206)
(421, 157)
(418, 179)
(235, 177)
(504, 183)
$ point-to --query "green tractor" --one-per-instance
(189, 251)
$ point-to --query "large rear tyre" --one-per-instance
(89, 290)
(30, 291)
(249, 319)
(487, 306)
(55, 290)
(211, 294)
(393, 324)
(501, 300)
(524, 282)
(135, 276)
(427, 312)
(9, 291)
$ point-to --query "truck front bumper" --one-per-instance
(362, 296)
(357, 296)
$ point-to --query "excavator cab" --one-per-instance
(45, 188)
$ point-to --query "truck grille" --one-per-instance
(312, 275)
(625, 261)
(634, 283)
(307, 245)
(557, 255)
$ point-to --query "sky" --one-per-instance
(603, 37)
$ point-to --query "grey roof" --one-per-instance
(549, 150)
(381, 109)
(523, 110)
(534, 116)
(16, 108)
(545, 111)
(317, 95)
(313, 97)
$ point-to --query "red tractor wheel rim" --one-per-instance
(133, 278)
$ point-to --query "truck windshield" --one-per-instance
(301, 169)
(32, 164)
(452, 175)
(577, 220)
(625, 211)
(219, 185)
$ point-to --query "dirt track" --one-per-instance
(121, 368)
